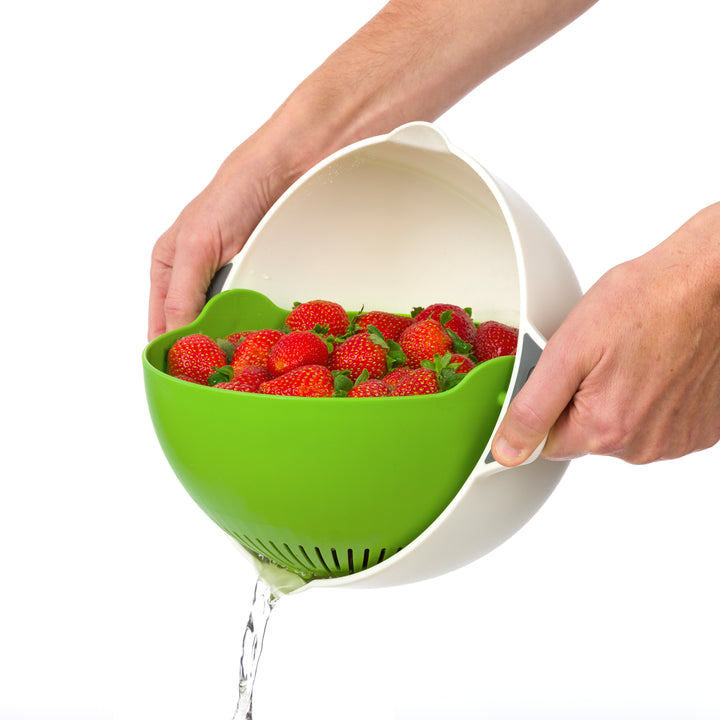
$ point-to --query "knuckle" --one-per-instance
(609, 441)
(175, 304)
(609, 433)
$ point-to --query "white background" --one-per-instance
(118, 598)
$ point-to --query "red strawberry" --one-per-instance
(465, 364)
(247, 379)
(238, 386)
(494, 339)
(295, 349)
(189, 379)
(423, 340)
(459, 320)
(369, 388)
(420, 381)
(362, 351)
(303, 381)
(254, 348)
(389, 324)
(323, 313)
(237, 337)
(195, 357)
(392, 378)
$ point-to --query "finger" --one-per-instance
(538, 404)
(160, 273)
(192, 271)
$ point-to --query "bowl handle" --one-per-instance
(422, 135)
(531, 344)
(218, 281)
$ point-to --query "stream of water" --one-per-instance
(263, 602)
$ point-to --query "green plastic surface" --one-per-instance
(322, 486)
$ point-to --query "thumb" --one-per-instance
(537, 406)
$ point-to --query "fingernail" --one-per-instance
(504, 452)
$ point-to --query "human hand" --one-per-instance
(634, 371)
(207, 234)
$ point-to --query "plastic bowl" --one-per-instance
(322, 486)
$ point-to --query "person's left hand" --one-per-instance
(634, 371)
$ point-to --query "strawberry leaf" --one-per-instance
(416, 311)
(395, 355)
(449, 379)
(223, 374)
(459, 345)
(445, 371)
(377, 337)
(329, 342)
(227, 347)
(342, 382)
(362, 377)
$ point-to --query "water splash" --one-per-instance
(264, 600)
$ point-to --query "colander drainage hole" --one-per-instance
(322, 560)
(366, 558)
(333, 551)
(307, 557)
(306, 563)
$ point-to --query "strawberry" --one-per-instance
(494, 339)
(295, 349)
(423, 340)
(369, 388)
(365, 350)
(238, 386)
(389, 324)
(302, 381)
(246, 379)
(419, 381)
(319, 314)
(254, 348)
(237, 337)
(458, 321)
(196, 357)
(395, 375)
(464, 363)
(189, 379)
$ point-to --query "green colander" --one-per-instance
(323, 486)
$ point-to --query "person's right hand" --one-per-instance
(634, 370)
(208, 233)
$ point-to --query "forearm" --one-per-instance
(412, 61)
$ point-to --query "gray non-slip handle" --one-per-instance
(216, 284)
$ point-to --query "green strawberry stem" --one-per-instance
(446, 372)
(459, 346)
